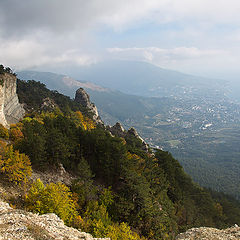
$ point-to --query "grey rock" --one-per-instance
(11, 111)
(132, 132)
(83, 98)
(19, 224)
(117, 130)
(48, 104)
(207, 233)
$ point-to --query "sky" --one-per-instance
(200, 37)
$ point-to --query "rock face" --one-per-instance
(206, 233)
(11, 111)
(21, 225)
(82, 98)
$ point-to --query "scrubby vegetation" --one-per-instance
(55, 198)
(14, 165)
(6, 70)
(121, 191)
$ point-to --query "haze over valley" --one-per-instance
(194, 118)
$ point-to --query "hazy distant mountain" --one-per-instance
(145, 79)
(60, 82)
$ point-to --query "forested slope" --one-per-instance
(120, 191)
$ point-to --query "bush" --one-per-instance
(52, 198)
(15, 133)
(4, 132)
(16, 166)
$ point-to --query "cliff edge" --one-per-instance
(11, 111)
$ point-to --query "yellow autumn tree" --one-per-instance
(83, 121)
(3, 132)
(52, 198)
(16, 166)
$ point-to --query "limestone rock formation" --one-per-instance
(11, 111)
(21, 225)
(132, 132)
(207, 233)
(48, 104)
(82, 98)
(118, 130)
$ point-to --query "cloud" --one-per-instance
(171, 54)
(186, 59)
(21, 17)
(34, 33)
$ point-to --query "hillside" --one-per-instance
(120, 189)
(201, 131)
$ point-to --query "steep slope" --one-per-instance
(122, 190)
(201, 132)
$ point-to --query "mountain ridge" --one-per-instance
(189, 126)
(120, 190)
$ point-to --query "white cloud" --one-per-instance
(34, 33)
(186, 59)
(180, 53)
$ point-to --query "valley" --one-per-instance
(198, 123)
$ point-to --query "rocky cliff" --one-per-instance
(11, 111)
(83, 98)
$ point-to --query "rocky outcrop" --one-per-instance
(82, 98)
(132, 132)
(118, 130)
(206, 233)
(21, 225)
(48, 104)
(11, 111)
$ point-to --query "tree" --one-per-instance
(16, 166)
(52, 198)
(3, 132)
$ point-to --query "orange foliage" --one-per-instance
(15, 133)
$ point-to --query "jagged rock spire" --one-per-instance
(83, 98)
(118, 130)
